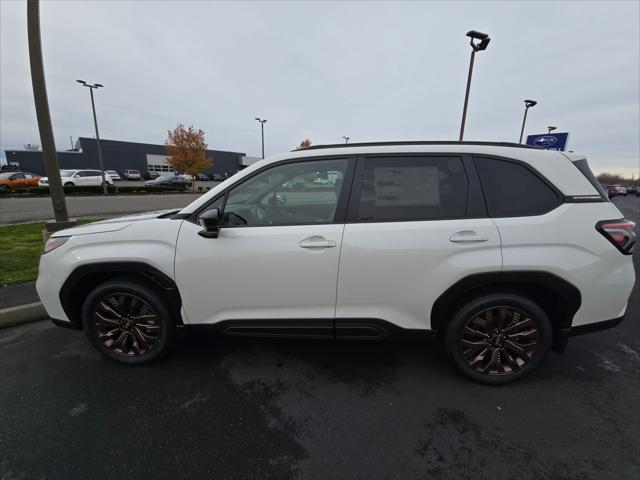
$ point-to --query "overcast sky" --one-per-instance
(368, 70)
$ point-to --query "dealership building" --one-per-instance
(120, 156)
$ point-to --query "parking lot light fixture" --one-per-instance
(479, 42)
(527, 104)
(551, 129)
(91, 88)
(346, 139)
(262, 122)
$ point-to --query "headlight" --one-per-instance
(54, 243)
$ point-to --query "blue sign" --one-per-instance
(549, 141)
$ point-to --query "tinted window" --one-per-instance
(292, 194)
(412, 188)
(512, 190)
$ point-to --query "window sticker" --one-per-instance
(406, 186)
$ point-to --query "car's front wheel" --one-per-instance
(498, 338)
(128, 321)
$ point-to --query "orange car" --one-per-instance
(13, 180)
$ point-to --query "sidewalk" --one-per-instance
(16, 295)
(20, 304)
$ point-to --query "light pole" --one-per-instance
(551, 129)
(482, 41)
(346, 139)
(262, 122)
(91, 88)
(527, 104)
(43, 116)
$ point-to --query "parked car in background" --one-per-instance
(621, 190)
(73, 178)
(216, 177)
(186, 176)
(633, 191)
(611, 191)
(169, 181)
(151, 175)
(202, 177)
(115, 176)
(16, 180)
(436, 239)
(132, 175)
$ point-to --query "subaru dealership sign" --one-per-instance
(549, 141)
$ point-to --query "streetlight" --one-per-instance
(346, 139)
(91, 88)
(551, 129)
(482, 41)
(262, 122)
(527, 104)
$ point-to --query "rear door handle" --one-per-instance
(467, 236)
(317, 242)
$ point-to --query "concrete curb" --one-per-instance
(10, 317)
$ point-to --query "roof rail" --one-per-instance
(418, 142)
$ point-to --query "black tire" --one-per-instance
(487, 354)
(158, 331)
(4, 188)
(69, 184)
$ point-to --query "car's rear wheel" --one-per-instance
(4, 187)
(128, 322)
(498, 338)
(69, 184)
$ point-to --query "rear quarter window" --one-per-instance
(513, 190)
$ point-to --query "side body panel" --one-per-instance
(396, 271)
(565, 242)
(151, 242)
(258, 273)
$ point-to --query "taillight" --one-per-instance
(620, 233)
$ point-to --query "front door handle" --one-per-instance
(467, 236)
(317, 241)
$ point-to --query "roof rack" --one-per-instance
(419, 142)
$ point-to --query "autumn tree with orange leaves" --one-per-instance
(187, 149)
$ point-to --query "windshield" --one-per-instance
(67, 173)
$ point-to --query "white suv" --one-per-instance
(73, 178)
(500, 251)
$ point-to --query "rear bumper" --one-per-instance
(562, 337)
(593, 327)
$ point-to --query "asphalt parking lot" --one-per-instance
(221, 408)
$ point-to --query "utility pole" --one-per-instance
(43, 116)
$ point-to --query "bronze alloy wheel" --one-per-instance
(499, 340)
(126, 324)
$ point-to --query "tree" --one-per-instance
(187, 150)
(304, 144)
(610, 179)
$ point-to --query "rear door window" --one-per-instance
(513, 190)
(411, 188)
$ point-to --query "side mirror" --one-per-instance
(210, 221)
